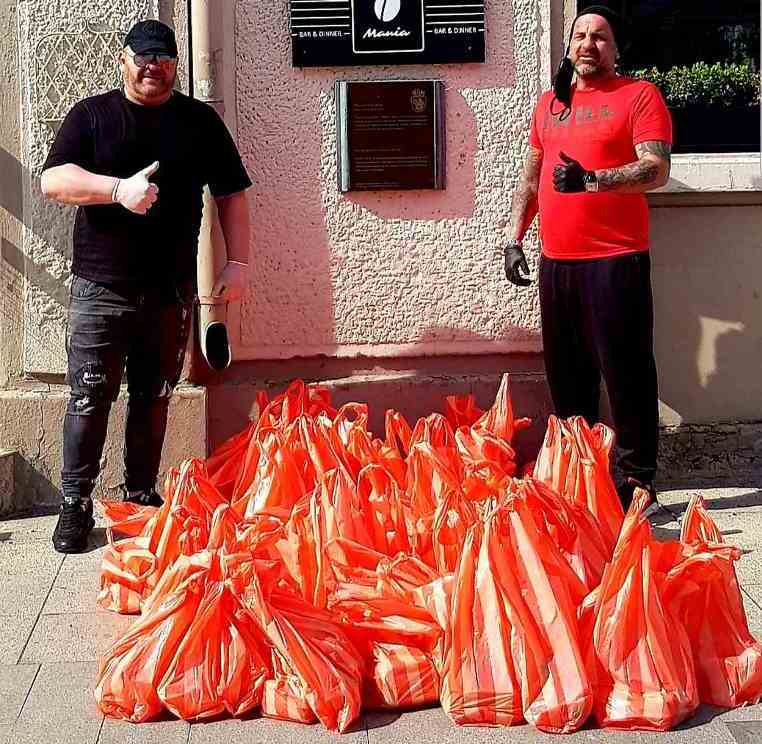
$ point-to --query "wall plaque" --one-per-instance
(386, 32)
(390, 135)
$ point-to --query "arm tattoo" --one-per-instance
(640, 172)
(524, 202)
(643, 172)
(654, 147)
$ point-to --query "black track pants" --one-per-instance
(597, 321)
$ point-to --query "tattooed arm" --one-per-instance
(524, 203)
(649, 171)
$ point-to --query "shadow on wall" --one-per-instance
(12, 177)
(34, 492)
(707, 265)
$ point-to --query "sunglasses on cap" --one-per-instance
(151, 58)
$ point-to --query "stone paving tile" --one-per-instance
(163, 732)
(265, 731)
(73, 592)
(30, 529)
(15, 683)
(5, 733)
(753, 615)
(739, 524)
(24, 594)
(31, 559)
(14, 632)
(747, 713)
(433, 725)
(749, 569)
(60, 708)
(749, 500)
(74, 637)
(89, 562)
(746, 732)
(753, 603)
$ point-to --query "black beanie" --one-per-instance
(609, 11)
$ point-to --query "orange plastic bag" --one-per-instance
(702, 591)
(575, 461)
(571, 527)
(513, 580)
(381, 507)
(461, 410)
(132, 568)
(499, 420)
(126, 568)
(478, 447)
(298, 400)
(385, 619)
(363, 573)
(480, 684)
(397, 432)
(277, 483)
(284, 697)
(130, 673)
(222, 661)
(225, 463)
(436, 431)
(449, 525)
(125, 519)
(640, 657)
(402, 677)
(697, 526)
(319, 654)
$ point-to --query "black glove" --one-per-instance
(515, 261)
(569, 178)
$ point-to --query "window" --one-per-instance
(705, 57)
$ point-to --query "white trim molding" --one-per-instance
(714, 172)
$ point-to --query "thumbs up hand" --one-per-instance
(568, 176)
(137, 193)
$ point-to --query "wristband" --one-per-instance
(590, 180)
(115, 189)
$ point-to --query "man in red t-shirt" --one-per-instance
(595, 148)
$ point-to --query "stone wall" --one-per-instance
(698, 454)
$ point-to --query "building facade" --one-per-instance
(393, 297)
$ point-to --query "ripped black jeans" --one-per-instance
(112, 326)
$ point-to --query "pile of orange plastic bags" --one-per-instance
(308, 569)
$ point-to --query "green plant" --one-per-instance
(720, 84)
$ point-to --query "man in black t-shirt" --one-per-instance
(135, 162)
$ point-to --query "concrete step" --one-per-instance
(31, 423)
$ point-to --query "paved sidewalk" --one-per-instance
(52, 634)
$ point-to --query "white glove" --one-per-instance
(231, 281)
(137, 193)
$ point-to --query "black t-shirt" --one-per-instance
(111, 136)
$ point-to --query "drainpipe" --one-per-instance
(206, 41)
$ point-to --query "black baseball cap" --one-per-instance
(151, 37)
(611, 11)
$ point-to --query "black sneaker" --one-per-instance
(144, 498)
(75, 522)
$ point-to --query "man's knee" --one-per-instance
(92, 390)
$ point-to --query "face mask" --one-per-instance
(563, 80)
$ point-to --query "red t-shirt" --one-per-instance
(602, 130)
